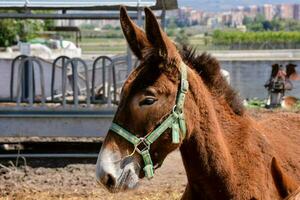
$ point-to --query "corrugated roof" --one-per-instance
(168, 4)
(72, 3)
(86, 5)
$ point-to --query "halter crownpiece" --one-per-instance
(175, 121)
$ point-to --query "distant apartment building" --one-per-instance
(297, 11)
(184, 15)
(211, 20)
(196, 17)
(268, 11)
(237, 15)
(96, 23)
(237, 19)
(233, 18)
(226, 18)
(285, 11)
(239, 9)
(251, 11)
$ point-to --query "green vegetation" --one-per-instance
(256, 103)
(112, 41)
(259, 23)
(259, 103)
(12, 30)
(256, 40)
(220, 37)
(298, 105)
(182, 38)
(103, 46)
(107, 33)
(28, 29)
(87, 26)
(8, 32)
(24, 30)
(262, 34)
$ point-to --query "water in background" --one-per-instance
(249, 77)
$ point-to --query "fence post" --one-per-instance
(63, 61)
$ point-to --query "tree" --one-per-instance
(277, 25)
(257, 26)
(29, 29)
(182, 38)
(8, 32)
(229, 37)
(293, 25)
(259, 23)
(87, 26)
(267, 25)
(25, 30)
(107, 27)
(260, 18)
(171, 23)
(247, 20)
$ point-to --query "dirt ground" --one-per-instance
(68, 179)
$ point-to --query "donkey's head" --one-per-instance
(148, 98)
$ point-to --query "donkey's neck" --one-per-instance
(206, 158)
(208, 166)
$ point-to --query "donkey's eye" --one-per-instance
(147, 101)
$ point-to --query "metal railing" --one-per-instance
(81, 82)
(12, 74)
(104, 93)
(74, 64)
(31, 61)
(62, 60)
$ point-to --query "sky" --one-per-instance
(223, 5)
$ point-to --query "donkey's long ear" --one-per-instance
(134, 35)
(158, 39)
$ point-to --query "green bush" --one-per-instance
(182, 38)
(8, 32)
(259, 23)
(230, 37)
(24, 29)
(28, 29)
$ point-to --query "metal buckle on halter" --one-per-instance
(142, 146)
(184, 86)
(175, 111)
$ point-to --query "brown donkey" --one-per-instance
(226, 154)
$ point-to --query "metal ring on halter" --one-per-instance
(174, 109)
(175, 112)
(145, 146)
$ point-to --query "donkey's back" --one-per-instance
(283, 132)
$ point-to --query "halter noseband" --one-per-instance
(175, 121)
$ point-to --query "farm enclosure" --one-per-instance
(75, 179)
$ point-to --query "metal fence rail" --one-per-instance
(108, 81)
(74, 64)
(80, 83)
(88, 82)
(62, 60)
(32, 61)
(12, 74)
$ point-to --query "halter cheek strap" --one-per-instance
(175, 121)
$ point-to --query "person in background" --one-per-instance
(278, 83)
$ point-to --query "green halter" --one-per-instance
(175, 121)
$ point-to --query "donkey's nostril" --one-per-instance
(109, 180)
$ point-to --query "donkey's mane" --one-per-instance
(208, 69)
